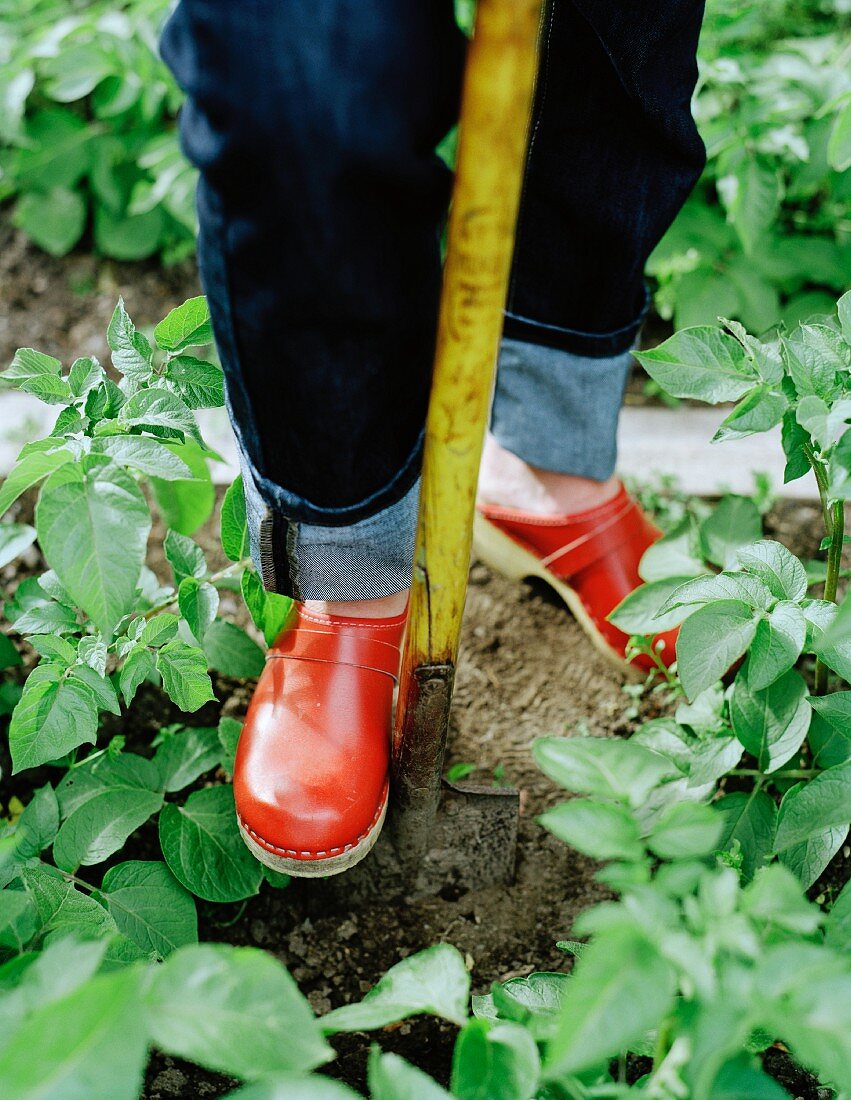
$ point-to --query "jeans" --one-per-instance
(321, 204)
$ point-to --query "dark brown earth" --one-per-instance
(525, 672)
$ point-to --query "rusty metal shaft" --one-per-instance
(495, 109)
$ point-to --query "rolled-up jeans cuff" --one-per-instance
(359, 561)
(558, 410)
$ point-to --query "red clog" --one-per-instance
(590, 558)
(311, 772)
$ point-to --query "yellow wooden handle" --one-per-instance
(489, 174)
(496, 105)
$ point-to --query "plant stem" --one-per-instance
(660, 1048)
(834, 524)
(229, 571)
(834, 562)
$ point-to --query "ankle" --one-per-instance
(385, 607)
(509, 482)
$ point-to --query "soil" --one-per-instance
(525, 671)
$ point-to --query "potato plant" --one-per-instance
(746, 601)
(101, 625)
(765, 236)
(87, 132)
(710, 822)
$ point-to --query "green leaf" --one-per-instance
(142, 453)
(32, 465)
(838, 925)
(46, 615)
(734, 523)
(54, 220)
(127, 237)
(750, 819)
(229, 731)
(102, 805)
(726, 585)
(810, 374)
(499, 1061)
(199, 383)
(835, 709)
(100, 686)
(18, 921)
(808, 859)
(739, 1077)
(602, 830)
(62, 907)
(185, 557)
(29, 364)
(759, 411)
(150, 906)
(84, 375)
(131, 353)
(710, 641)
(187, 505)
(198, 602)
(202, 845)
(535, 1001)
(89, 1044)
(269, 611)
(638, 613)
(230, 651)
(824, 802)
(676, 554)
(186, 326)
(158, 408)
(434, 981)
(93, 523)
(390, 1078)
(752, 198)
(620, 989)
(839, 143)
(184, 671)
(777, 644)
(38, 824)
(843, 312)
(686, 830)
(187, 754)
(602, 766)
(775, 900)
(159, 630)
(52, 717)
(702, 363)
(824, 423)
(138, 667)
(15, 538)
(235, 1010)
(234, 527)
(9, 656)
(771, 722)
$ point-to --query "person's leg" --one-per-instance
(614, 152)
(321, 200)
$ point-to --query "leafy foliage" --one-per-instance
(87, 134)
(763, 239)
(100, 625)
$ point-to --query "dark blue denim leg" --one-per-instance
(313, 123)
(321, 202)
(614, 152)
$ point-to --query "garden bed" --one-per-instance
(525, 671)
